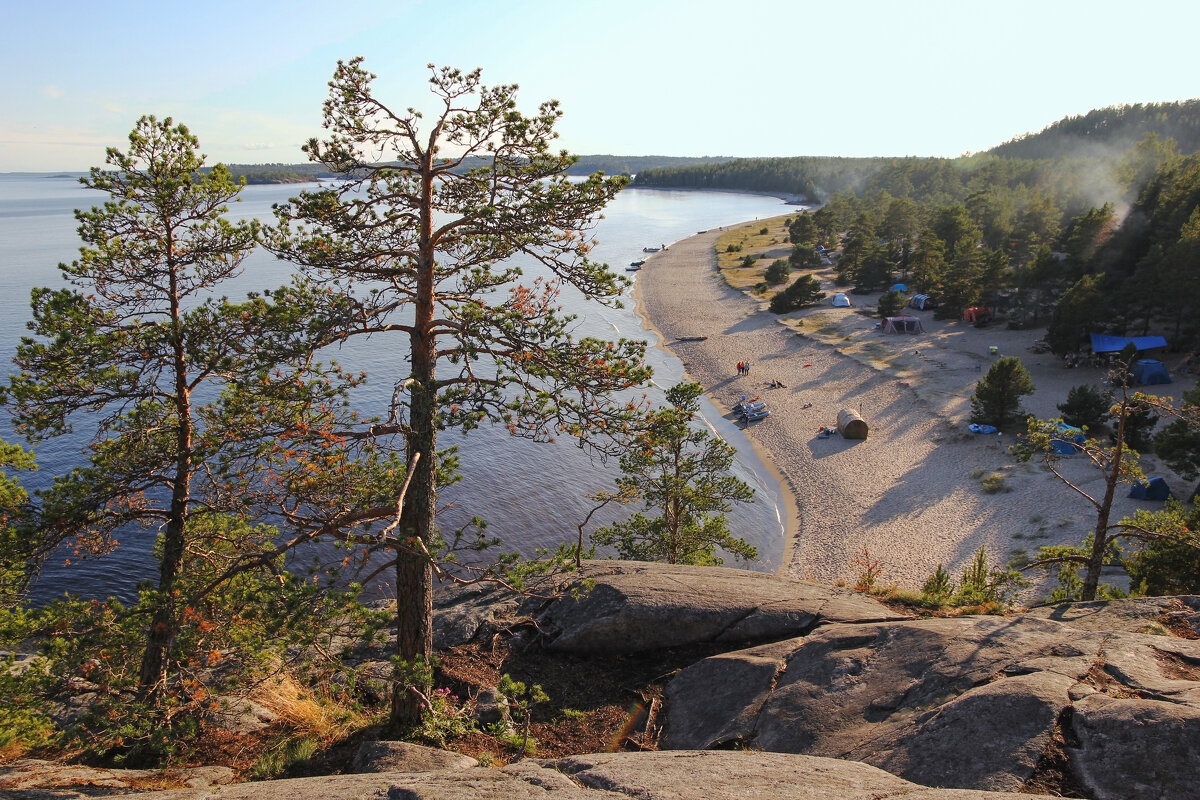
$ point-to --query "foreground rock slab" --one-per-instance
(32, 779)
(971, 702)
(637, 607)
(612, 776)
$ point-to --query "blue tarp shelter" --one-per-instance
(1153, 489)
(1103, 343)
(899, 287)
(1061, 445)
(1148, 372)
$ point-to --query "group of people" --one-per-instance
(743, 368)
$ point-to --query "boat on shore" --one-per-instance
(754, 415)
(635, 265)
(744, 405)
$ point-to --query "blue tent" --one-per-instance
(899, 287)
(1102, 343)
(1062, 443)
(921, 302)
(1149, 372)
(1153, 489)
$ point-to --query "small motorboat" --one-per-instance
(755, 414)
(635, 265)
(650, 249)
(745, 405)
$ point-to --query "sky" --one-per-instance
(634, 77)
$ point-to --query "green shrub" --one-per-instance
(994, 484)
(997, 397)
(779, 271)
(891, 303)
(938, 586)
(806, 291)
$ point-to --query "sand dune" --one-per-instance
(910, 493)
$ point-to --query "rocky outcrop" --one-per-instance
(636, 607)
(823, 693)
(389, 756)
(972, 702)
(34, 779)
(612, 776)
(1089, 692)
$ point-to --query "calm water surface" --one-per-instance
(531, 495)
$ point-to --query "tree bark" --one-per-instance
(165, 624)
(414, 573)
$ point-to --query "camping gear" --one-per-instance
(993, 350)
(1102, 343)
(841, 301)
(902, 324)
(1153, 489)
(851, 424)
(921, 302)
(899, 287)
(1063, 442)
(1148, 372)
(976, 314)
(975, 427)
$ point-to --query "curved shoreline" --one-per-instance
(791, 520)
(910, 496)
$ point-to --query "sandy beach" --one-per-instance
(910, 493)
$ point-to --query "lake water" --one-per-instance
(532, 495)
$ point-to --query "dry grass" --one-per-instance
(751, 243)
(308, 714)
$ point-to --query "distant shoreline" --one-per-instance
(788, 199)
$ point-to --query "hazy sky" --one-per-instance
(635, 77)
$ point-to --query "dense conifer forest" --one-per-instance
(1091, 225)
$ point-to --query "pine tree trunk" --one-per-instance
(165, 624)
(414, 573)
(1091, 579)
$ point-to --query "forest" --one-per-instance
(1100, 238)
(583, 165)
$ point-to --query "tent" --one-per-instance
(899, 287)
(976, 314)
(1149, 372)
(1102, 343)
(1061, 445)
(851, 424)
(902, 324)
(922, 302)
(1153, 489)
(841, 301)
